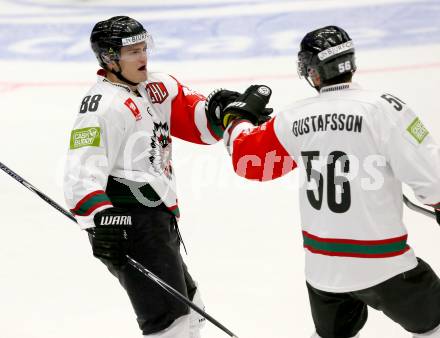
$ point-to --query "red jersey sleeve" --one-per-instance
(188, 117)
(258, 154)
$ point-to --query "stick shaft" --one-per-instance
(418, 208)
(176, 294)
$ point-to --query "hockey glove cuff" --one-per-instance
(216, 102)
(110, 235)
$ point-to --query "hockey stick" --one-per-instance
(418, 208)
(173, 292)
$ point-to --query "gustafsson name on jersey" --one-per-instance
(326, 122)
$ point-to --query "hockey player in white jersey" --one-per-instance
(119, 177)
(354, 149)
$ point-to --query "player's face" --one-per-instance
(133, 62)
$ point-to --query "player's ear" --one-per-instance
(108, 61)
(314, 76)
(113, 66)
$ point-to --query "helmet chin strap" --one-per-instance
(121, 77)
(318, 88)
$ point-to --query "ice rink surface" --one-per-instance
(243, 238)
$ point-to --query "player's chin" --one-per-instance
(141, 75)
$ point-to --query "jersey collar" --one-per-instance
(101, 78)
(339, 87)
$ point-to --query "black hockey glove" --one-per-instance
(217, 100)
(251, 105)
(437, 215)
(109, 237)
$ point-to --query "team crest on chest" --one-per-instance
(160, 153)
(157, 92)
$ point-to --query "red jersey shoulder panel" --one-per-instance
(183, 114)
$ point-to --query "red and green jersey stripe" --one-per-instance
(175, 210)
(355, 248)
(91, 202)
(435, 206)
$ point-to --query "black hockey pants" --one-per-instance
(155, 243)
(411, 299)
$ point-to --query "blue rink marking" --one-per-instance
(230, 37)
(164, 6)
(80, 8)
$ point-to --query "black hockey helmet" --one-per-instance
(110, 35)
(329, 51)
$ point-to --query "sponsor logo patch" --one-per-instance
(343, 47)
(134, 109)
(417, 130)
(263, 90)
(157, 92)
(134, 39)
(116, 220)
(85, 137)
(237, 104)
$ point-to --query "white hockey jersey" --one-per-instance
(128, 136)
(354, 148)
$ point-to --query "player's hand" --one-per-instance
(437, 214)
(216, 102)
(110, 235)
(251, 105)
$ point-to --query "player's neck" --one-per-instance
(113, 78)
